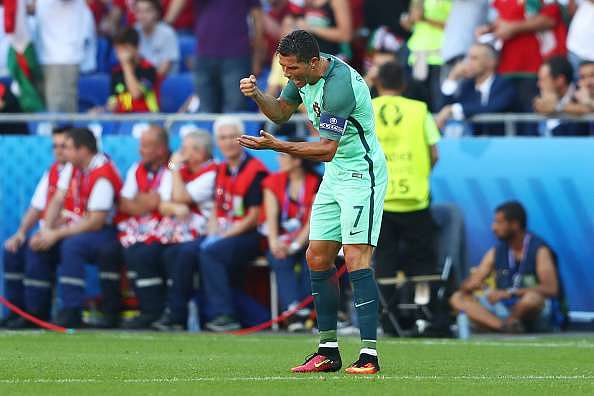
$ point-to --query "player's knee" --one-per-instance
(356, 258)
(318, 260)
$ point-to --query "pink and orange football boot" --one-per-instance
(316, 363)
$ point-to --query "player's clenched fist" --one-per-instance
(248, 86)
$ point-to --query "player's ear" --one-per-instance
(314, 62)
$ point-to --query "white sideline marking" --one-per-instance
(438, 378)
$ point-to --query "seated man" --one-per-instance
(233, 240)
(138, 225)
(474, 88)
(526, 278)
(134, 81)
(87, 205)
(585, 93)
(557, 96)
(187, 206)
(38, 283)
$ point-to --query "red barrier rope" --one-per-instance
(33, 319)
(284, 315)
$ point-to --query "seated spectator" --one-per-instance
(134, 81)
(88, 205)
(585, 93)
(158, 40)
(273, 25)
(474, 88)
(581, 30)
(233, 239)
(64, 31)
(526, 280)
(30, 287)
(10, 104)
(177, 13)
(188, 206)
(140, 228)
(556, 96)
(288, 196)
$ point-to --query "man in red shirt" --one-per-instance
(530, 31)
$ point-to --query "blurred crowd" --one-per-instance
(463, 57)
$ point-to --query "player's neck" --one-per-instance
(389, 92)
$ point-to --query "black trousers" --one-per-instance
(406, 243)
(110, 261)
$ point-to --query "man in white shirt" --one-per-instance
(65, 32)
(87, 205)
(158, 40)
(474, 88)
(16, 276)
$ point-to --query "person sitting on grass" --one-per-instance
(527, 283)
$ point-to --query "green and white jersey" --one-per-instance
(339, 106)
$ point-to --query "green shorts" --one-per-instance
(348, 211)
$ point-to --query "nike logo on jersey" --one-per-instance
(355, 233)
(365, 303)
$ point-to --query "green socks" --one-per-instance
(324, 289)
(366, 304)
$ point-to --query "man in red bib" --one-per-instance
(188, 206)
(233, 240)
(87, 205)
(34, 282)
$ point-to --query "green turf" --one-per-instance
(114, 363)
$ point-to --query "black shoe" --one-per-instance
(167, 323)
(20, 324)
(107, 321)
(140, 322)
(366, 364)
(71, 318)
(223, 323)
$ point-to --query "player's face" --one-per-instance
(58, 146)
(502, 228)
(298, 72)
(226, 137)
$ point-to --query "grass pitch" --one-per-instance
(116, 363)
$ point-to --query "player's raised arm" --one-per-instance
(277, 110)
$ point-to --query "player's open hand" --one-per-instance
(248, 86)
(263, 142)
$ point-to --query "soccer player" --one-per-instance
(347, 211)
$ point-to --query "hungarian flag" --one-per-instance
(22, 59)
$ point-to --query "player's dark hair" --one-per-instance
(156, 5)
(83, 137)
(300, 43)
(560, 66)
(513, 211)
(128, 35)
(391, 76)
(60, 129)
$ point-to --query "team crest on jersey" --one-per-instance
(317, 109)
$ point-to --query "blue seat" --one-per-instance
(187, 51)
(104, 52)
(93, 90)
(175, 89)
